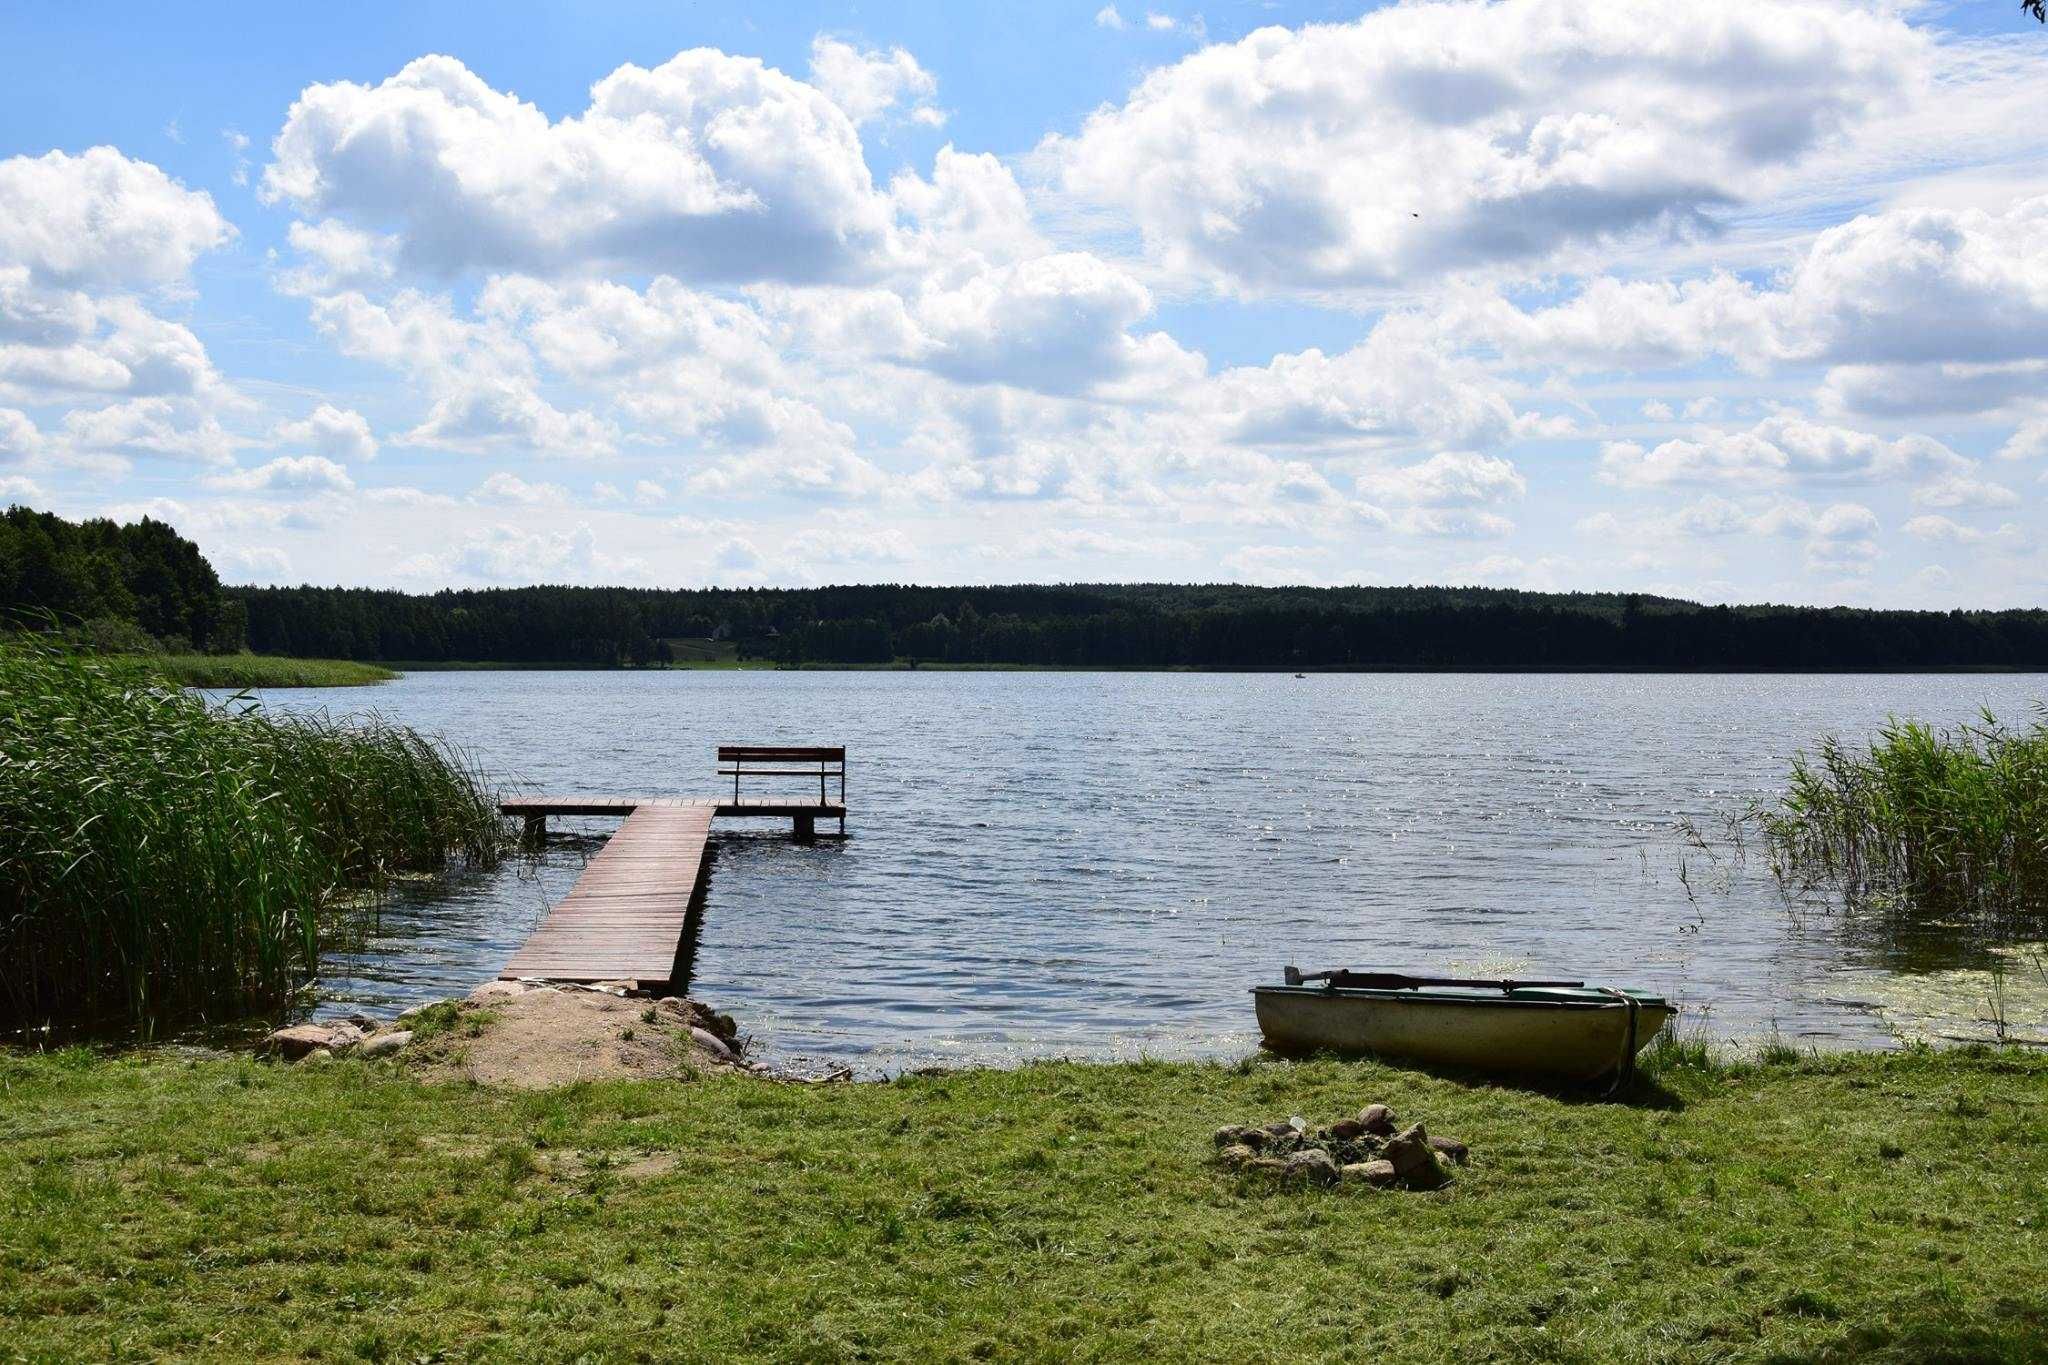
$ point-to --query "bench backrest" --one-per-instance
(780, 754)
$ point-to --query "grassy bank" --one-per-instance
(162, 857)
(1874, 1206)
(263, 670)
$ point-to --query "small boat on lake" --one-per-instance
(1562, 1029)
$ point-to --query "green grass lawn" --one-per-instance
(264, 670)
(711, 654)
(1867, 1206)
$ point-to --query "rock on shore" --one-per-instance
(1368, 1149)
(303, 1040)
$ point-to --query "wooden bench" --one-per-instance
(827, 764)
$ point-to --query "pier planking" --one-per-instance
(626, 917)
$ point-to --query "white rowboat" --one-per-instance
(1567, 1031)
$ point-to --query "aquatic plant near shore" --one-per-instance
(1925, 827)
(165, 857)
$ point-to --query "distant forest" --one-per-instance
(1131, 626)
(139, 586)
(144, 586)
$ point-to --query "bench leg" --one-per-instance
(806, 828)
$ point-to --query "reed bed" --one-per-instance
(163, 858)
(1937, 827)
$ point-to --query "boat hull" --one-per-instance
(1572, 1035)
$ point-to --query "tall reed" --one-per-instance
(1945, 826)
(163, 858)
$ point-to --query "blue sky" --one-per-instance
(1735, 302)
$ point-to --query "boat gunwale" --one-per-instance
(1496, 1001)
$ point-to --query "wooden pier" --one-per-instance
(628, 916)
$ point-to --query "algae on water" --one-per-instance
(2006, 1003)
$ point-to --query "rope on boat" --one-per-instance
(1625, 1069)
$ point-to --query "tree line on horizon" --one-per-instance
(143, 586)
(1129, 626)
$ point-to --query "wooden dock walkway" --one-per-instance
(628, 916)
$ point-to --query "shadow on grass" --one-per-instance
(1644, 1089)
(2015, 1334)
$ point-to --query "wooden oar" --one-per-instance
(1397, 981)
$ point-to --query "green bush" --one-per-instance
(165, 858)
(110, 635)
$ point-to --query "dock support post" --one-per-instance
(536, 828)
(806, 827)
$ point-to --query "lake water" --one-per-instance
(1101, 864)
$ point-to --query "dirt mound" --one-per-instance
(536, 1036)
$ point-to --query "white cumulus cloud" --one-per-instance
(1780, 449)
(868, 82)
(1437, 136)
(708, 166)
(335, 433)
(504, 487)
(101, 219)
(296, 473)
